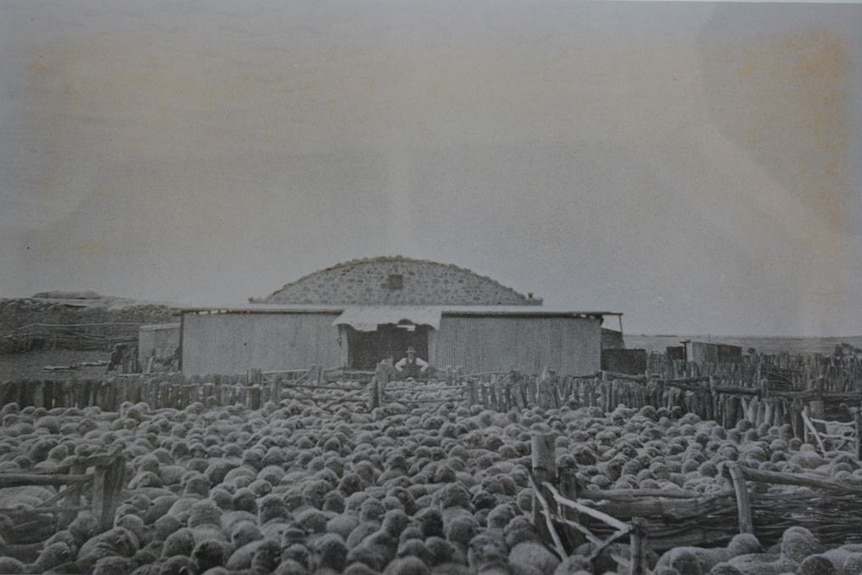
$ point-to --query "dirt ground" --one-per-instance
(30, 365)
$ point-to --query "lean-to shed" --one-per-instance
(358, 313)
(157, 340)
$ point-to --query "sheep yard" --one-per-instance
(321, 471)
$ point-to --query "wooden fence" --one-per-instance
(568, 515)
(328, 388)
(707, 396)
(713, 397)
(103, 474)
(785, 371)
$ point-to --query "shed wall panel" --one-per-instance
(235, 343)
(528, 344)
(700, 352)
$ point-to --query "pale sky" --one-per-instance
(695, 166)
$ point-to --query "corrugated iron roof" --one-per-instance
(479, 310)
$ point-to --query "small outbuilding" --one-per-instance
(704, 352)
(358, 313)
(157, 343)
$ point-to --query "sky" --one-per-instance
(695, 166)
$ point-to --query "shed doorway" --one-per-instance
(366, 349)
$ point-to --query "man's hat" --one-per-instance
(411, 349)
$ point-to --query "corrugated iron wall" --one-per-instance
(235, 343)
(571, 346)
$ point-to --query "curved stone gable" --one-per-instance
(396, 281)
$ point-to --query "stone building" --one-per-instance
(396, 281)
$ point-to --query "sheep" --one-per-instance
(331, 552)
(52, 555)
(701, 560)
(486, 550)
(797, 543)
(762, 564)
(406, 566)
(178, 564)
(118, 541)
(389, 490)
(180, 542)
(817, 565)
(529, 555)
(13, 566)
(209, 553)
(113, 566)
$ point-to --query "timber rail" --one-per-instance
(103, 474)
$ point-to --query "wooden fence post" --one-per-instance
(544, 463)
(255, 382)
(796, 419)
(107, 487)
(276, 389)
(711, 406)
(382, 383)
(542, 389)
(254, 393)
(569, 489)
(817, 406)
(372, 393)
(638, 564)
(519, 392)
(858, 420)
(38, 394)
(769, 404)
(378, 385)
(606, 392)
(472, 392)
(255, 377)
(743, 506)
(73, 497)
(494, 392)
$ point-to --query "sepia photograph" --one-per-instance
(509, 287)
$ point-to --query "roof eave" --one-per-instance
(447, 310)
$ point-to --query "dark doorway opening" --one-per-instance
(367, 348)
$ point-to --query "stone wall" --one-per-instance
(17, 313)
(397, 281)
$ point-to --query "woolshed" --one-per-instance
(358, 313)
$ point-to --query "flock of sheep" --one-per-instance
(443, 489)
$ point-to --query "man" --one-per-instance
(411, 366)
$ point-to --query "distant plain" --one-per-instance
(764, 344)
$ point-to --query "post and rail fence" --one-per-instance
(103, 474)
